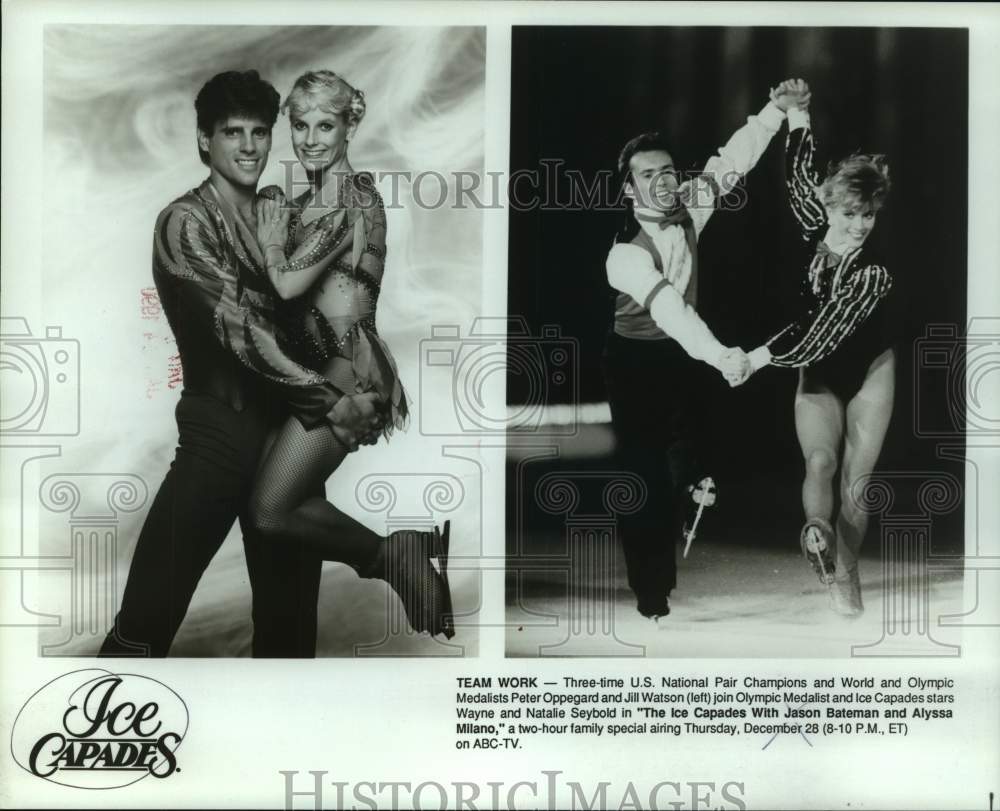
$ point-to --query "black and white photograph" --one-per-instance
(424, 404)
(747, 245)
(251, 216)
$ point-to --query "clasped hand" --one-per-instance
(357, 419)
(735, 366)
(791, 93)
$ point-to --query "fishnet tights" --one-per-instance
(297, 464)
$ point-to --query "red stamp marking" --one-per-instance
(157, 341)
(175, 375)
(149, 303)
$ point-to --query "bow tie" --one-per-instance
(678, 216)
(830, 258)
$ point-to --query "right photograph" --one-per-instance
(737, 342)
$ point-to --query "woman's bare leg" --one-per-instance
(819, 424)
(868, 416)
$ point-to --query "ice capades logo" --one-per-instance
(98, 730)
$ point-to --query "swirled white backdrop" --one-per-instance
(119, 139)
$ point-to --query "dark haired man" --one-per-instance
(659, 353)
(238, 382)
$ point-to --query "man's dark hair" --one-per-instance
(644, 142)
(235, 93)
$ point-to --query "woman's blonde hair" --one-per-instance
(861, 178)
(328, 91)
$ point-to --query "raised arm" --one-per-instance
(631, 270)
(800, 175)
(187, 256)
(816, 334)
(724, 169)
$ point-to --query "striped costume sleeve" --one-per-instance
(802, 182)
(820, 331)
(187, 254)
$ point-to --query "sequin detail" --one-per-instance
(329, 241)
(336, 318)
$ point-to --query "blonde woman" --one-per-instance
(324, 254)
(841, 341)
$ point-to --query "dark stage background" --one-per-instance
(579, 93)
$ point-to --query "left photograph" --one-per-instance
(249, 232)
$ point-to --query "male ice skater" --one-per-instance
(238, 382)
(659, 354)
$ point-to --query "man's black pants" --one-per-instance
(208, 487)
(657, 395)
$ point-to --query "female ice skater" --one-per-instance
(325, 254)
(842, 344)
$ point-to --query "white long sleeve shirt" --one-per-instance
(632, 270)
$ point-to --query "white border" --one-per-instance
(381, 720)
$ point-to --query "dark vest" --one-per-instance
(632, 320)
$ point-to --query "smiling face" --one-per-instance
(653, 180)
(237, 151)
(320, 138)
(851, 221)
